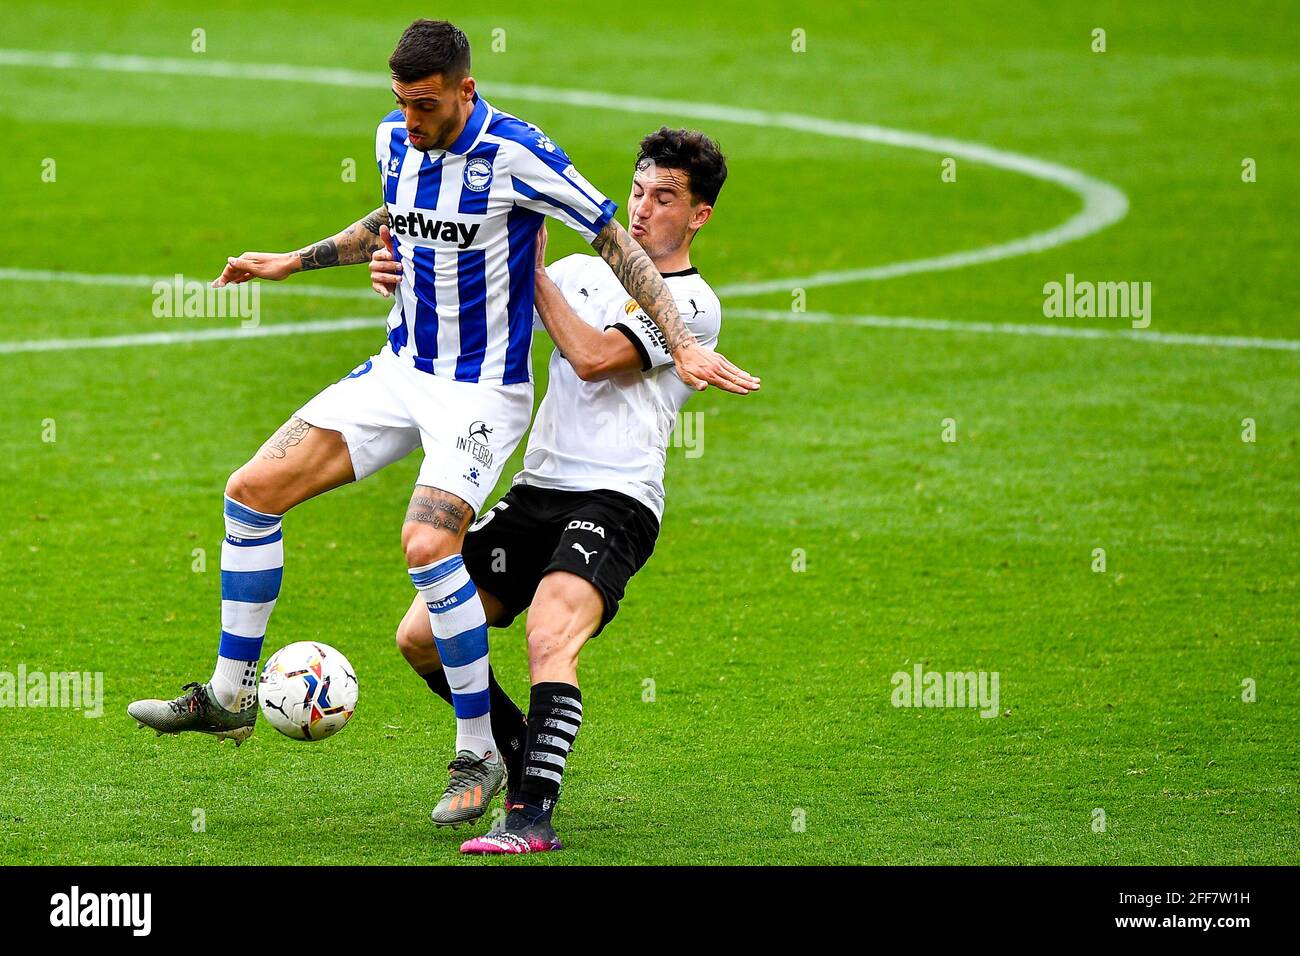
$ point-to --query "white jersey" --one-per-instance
(464, 225)
(614, 434)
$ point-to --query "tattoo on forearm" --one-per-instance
(291, 433)
(321, 255)
(643, 282)
(438, 512)
(354, 244)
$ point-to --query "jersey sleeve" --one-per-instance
(383, 144)
(546, 181)
(701, 312)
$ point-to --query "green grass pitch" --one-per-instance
(771, 736)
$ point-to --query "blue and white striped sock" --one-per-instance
(460, 630)
(252, 566)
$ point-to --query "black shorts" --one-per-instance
(601, 536)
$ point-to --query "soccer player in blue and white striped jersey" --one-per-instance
(465, 187)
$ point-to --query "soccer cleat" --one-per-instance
(197, 710)
(524, 830)
(474, 782)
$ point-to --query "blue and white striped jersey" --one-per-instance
(464, 224)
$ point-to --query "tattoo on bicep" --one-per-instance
(291, 433)
(445, 513)
(642, 280)
(376, 219)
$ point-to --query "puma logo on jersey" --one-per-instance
(586, 555)
(698, 310)
(579, 525)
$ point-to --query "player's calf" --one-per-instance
(431, 537)
(509, 725)
(565, 612)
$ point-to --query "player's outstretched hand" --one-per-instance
(699, 368)
(257, 265)
(385, 271)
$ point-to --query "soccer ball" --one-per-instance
(308, 691)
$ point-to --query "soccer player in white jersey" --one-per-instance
(465, 188)
(583, 515)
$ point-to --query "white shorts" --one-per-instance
(385, 409)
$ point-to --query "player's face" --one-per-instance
(435, 111)
(661, 214)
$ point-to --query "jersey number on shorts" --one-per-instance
(482, 522)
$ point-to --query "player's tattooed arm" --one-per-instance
(351, 246)
(642, 280)
(697, 367)
(438, 509)
(354, 244)
(291, 433)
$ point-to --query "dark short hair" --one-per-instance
(688, 150)
(428, 47)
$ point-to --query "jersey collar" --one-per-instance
(473, 126)
(692, 271)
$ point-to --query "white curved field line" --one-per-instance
(352, 323)
(1103, 204)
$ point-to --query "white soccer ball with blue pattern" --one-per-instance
(308, 691)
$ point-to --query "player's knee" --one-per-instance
(425, 545)
(252, 490)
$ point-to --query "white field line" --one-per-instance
(351, 323)
(143, 283)
(1103, 204)
(194, 335)
(1019, 329)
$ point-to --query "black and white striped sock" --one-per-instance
(554, 716)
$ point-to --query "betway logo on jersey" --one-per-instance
(415, 225)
